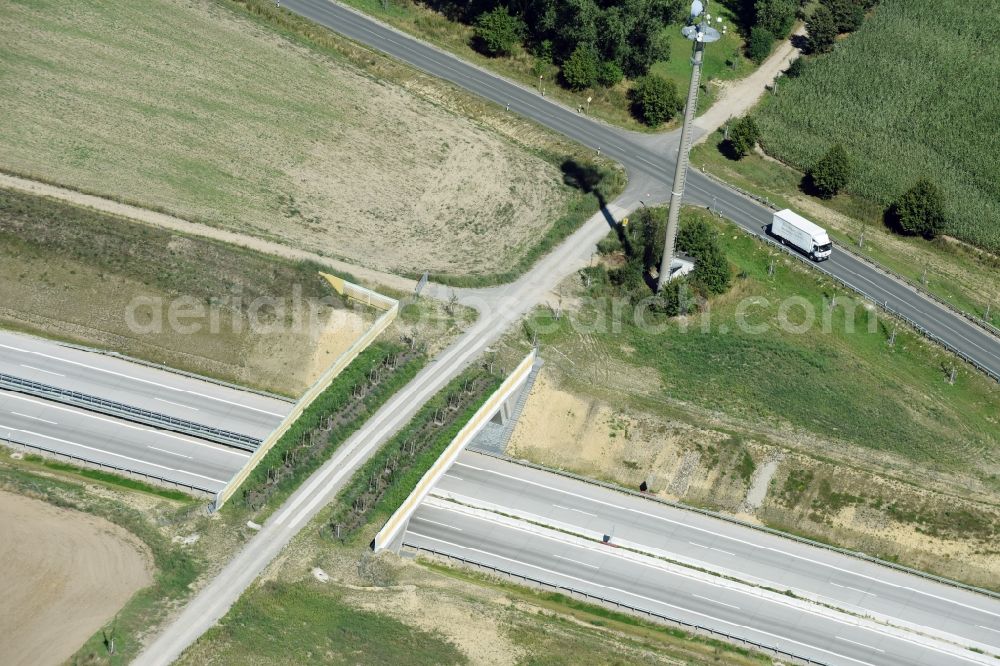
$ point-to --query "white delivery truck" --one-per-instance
(793, 229)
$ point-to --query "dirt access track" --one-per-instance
(64, 575)
(186, 107)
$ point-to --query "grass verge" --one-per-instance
(95, 279)
(960, 275)
(109, 479)
(176, 569)
(673, 641)
(793, 347)
(286, 623)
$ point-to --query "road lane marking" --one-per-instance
(176, 404)
(48, 372)
(138, 379)
(568, 508)
(639, 596)
(452, 476)
(29, 416)
(718, 550)
(569, 559)
(856, 589)
(988, 628)
(730, 538)
(123, 424)
(869, 647)
(111, 453)
(715, 601)
(428, 520)
(660, 568)
(156, 448)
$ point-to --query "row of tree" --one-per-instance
(593, 42)
(920, 211)
(832, 18)
(764, 21)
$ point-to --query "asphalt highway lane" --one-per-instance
(161, 391)
(705, 541)
(102, 439)
(603, 572)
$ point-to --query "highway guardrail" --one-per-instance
(742, 523)
(764, 201)
(128, 412)
(635, 610)
(102, 465)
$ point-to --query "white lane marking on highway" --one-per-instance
(428, 520)
(856, 589)
(236, 404)
(163, 433)
(715, 601)
(732, 538)
(848, 640)
(584, 564)
(660, 568)
(180, 455)
(988, 628)
(111, 453)
(569, 508)
(639, 596)
(29, 416)
(452, 476)
(646, 161)
(176, 404)
(139, 379)
(48, 372)
(718, 550)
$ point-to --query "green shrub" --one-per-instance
(579, 71)
(654, 100)
(830, 175)
(822, 30)
(775, 16)
(497, 32)
(609, 74)
(759, 45)
(743, 136)
(919, 212)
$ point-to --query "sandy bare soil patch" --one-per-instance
(844, 501)
(186, 107)
(65, 574)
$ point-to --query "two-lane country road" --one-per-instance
(648, 160)
(141, 386)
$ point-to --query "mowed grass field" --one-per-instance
(773, 352)
(75, 274)
(191, 108)
(911, 94)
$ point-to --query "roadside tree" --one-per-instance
(743, 136)
(919, 211)
(654, 100)
(831, 173)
